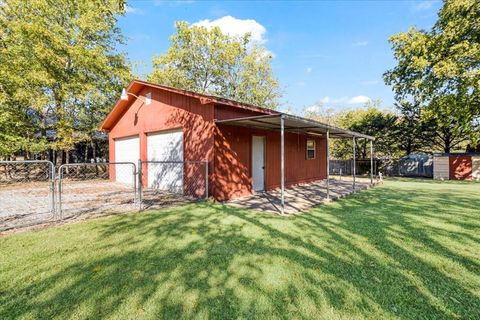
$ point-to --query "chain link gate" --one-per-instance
(33, 192)
(27, 193)
(168, 183)
(90, 189)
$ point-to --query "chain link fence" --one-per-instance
(345, 167)
(408, 167)
(89, 189)
(167, 183)
(403, 167)
(35, 192)
(27, 193)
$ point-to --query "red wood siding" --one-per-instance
(227, 148)
(168, 111)
(460, 167)
(232, 160)
(226, 112)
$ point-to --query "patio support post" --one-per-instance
(371, 162)
(282, 163)
(354, 162)
(328, 165)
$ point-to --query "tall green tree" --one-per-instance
(209, 61)
(59, 69)
(440, 69)
(415, 134)
(370, 120)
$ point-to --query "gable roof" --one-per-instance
(136, 86)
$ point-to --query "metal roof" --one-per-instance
(293, 124)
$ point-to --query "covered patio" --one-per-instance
(298, 198)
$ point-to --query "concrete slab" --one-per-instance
(300, 197)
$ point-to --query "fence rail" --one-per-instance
(35, 192)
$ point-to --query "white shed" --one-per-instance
(476, 167)
(441, 167)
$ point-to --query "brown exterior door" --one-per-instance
(460, 167)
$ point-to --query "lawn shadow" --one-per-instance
(360, 257)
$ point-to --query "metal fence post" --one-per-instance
(354, 162)
(206, 180)
(371, 162)
(140, 185)
(282, 164)
(134, 183)
(52, 187)
(328, 164)
(60, 176)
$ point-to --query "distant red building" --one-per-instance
(456, 166)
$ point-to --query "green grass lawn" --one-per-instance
(408, 249)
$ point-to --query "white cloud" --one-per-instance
(309, 70)
(423, 5)
(133, 10)
(236, 27)
(336, 102)
(287, 111)
(359, 100)
(360, 43)
(330, 100)
(314, 108)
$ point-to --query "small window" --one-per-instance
(310, 149)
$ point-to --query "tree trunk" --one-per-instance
(85, 156)
(446, 146)
(408, 148)
(94, 154)
(94, 151)
(67, 160)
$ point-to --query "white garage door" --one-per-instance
(126, 150)
(167, 147)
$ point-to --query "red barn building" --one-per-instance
(242, 143)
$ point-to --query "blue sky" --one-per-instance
(330, 53)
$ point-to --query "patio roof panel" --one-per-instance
(293, 123)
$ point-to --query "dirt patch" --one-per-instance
(29, 205)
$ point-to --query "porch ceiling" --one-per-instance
(293, 124)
